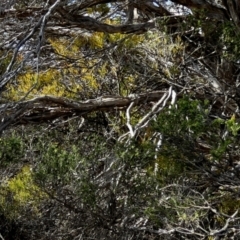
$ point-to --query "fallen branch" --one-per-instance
(45, 108)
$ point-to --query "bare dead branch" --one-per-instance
(48, 107)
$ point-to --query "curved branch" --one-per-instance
(46, 108)
(94, 25)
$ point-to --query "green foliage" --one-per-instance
(183, 126)
(18, 192)
(102, 9)
(188, 117)
(229, 204)
(220, 149)
(231, 41)
(180, 125)
(4, 61)
(138, 153)
(233, 126)
(221, 36)
(168, 166)
(66, 166)
(57, 164)
(69, 164)
(221, 146)
(11, 150)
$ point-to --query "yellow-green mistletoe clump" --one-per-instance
(20, 192)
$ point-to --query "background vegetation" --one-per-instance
(119, 120)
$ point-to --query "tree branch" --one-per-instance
(46, 108)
